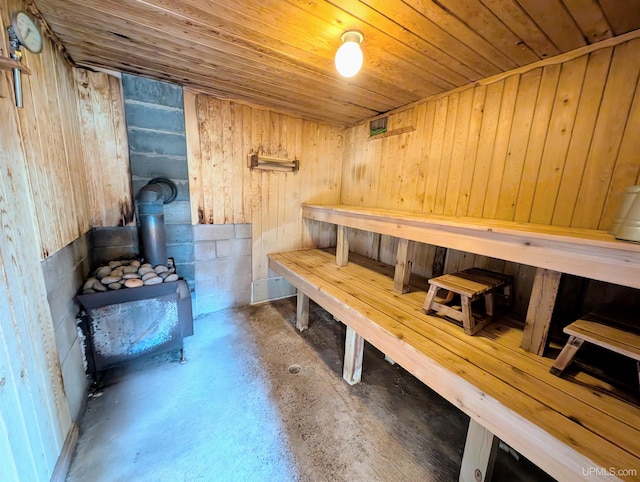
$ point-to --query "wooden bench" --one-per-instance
(553, 250)
(595, 329)
(470, 285)
(563, 427)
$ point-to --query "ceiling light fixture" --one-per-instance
(349, 55)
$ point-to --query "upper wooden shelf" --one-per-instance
(582, 252)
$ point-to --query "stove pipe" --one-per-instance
(150, 201)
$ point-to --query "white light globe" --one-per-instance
(349, 56)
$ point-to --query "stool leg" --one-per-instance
(566, 355)
(467, 316)
(426, 308)
(488, 304)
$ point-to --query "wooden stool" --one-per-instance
(586, 329)
(470, 284)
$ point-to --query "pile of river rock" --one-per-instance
(130, 273)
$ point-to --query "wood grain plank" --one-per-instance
(589, 105)
(501, 146)
(612, 117)
(556, 146)
(518, 144)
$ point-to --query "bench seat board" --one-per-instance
(559, 425)
(582, 252)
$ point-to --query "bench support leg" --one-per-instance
(342, 246)
(566, 355)
(353, 353)
(543, 299)
(392, 361)
(479, 454)
(426, 308)
(302, 312)
(402, 275)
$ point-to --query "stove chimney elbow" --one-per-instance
(150, 202)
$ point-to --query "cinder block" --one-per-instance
(114, 236)
(104, 255)
(214, 268)
(66, 335)
(242, 247)
(74, 380)
(224, 248)
(242, 264)
(213, 303)
(207, 287)
(138, 183)
(148, 166)
(177, 212)
(151, 91)
(204, 250)
(243, 230)
(187, 271)
(271, 289)
(181, 253)
(154, 116)
(212, 232)
(179, 233)
(243, 297)
(234, 282)
(146, 141)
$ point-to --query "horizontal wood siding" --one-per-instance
(221, 135)
(555, 145)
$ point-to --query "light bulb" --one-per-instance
(349, 56)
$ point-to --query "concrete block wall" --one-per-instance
(64, 273)
(222, 266)
(154, 114)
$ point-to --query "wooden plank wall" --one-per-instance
(34, 414)
(103, 136)
(220, 136)
(553, 145)
(63, 169)
(75, 143)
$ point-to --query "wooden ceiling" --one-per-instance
(279, 53)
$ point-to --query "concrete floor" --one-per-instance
(258, 401)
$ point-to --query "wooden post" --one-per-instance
(342, 246)
(566, 355)
(302, 312)
(479, 454)
(438, 262)
(389, 360)
(375, 247)
(403, 266)
(353, 353)
(543, 299)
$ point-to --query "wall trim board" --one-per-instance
(555, 60)
(68, 449)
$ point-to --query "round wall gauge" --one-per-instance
(27, 31)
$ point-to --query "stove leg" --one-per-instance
(183, 360)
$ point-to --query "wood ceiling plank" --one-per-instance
(334, 114)
(209, 45)
(416, 21)
(259, 73)
(478, 17)
(511, 14)
(376, 67)
(623, 16)
(590, 18)
(118, 24)
(318, 35)
(454, 26)
(433, 59)
(552, 17)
